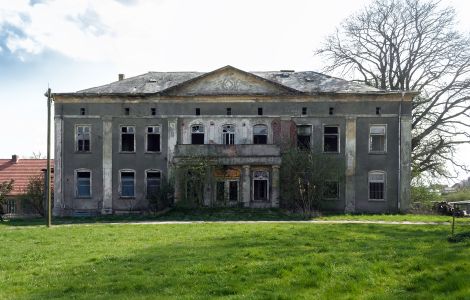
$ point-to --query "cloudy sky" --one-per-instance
(70, 45)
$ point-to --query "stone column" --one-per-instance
(405, 163)
(275, 187)
(350, 151)
(246, 186)
(107, 205)
(58, 175)
(172, 140)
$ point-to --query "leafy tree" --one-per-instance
(35, 192)
(5, 189)
(412, 45)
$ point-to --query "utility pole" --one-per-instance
(48, 172)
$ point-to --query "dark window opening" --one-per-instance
(127, 139)
(127, 111)
(153, 139)
(260, 190)
(304, 110)
(331, 190)
(376, 190)
(197, 135)
(220, 191)
(260, 134)
(228, 134)
(153, 111)
(82, 111)
(260, 111)
(332, 110)
(233, 191)
(378, 110)
(229, 111)
(198, 111)
(83, 184)
(304, 133)
(127, 184)
(153, 183)
(331, 139)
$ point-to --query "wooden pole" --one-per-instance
(48, 172)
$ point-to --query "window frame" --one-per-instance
(159, 137)
(120, 138)
(339, 138)
(385, 139)
(76, 138)
(146, 182)
(76, 171)
(191, 133)
(120, 183)
(230, 134)
(253, 134)
(253, 179)
(384, 174)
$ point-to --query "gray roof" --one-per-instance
(305, 82)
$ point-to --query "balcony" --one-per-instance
(231, 154)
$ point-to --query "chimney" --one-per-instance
(120, 77)
(15, 158)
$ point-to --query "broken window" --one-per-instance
(153, 138)
(331, 139)
(153, 183)
(377, 138)
(127, 139)
(197, 135)
(127, 183)
(233, 190)
(83, 136)
(331, 190)
(228, 134)
(376, 185)
(260, 134)
(260, 186)
(83, 184)
(227, 191)
(304, 133)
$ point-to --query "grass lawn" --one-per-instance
(232, 261)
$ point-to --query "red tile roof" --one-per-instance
(21, 172)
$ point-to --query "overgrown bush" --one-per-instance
(461, 195)
(35, 194)
(423, 199)
(192, 175)
(163, 198)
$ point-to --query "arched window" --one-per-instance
(260, 134)
(376, 185)
(228, 134)
(197, 135)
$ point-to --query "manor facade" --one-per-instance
(116, 144)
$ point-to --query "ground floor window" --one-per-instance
(83, 183)
(127, 183)
(260, 186)
(11, 206)
(227, 191)
(153, 183)
(376, 185)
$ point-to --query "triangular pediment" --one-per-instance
(228, 81)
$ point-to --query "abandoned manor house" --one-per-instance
(116, 144)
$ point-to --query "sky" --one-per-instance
(70, 45)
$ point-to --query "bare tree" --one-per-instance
(412, 45)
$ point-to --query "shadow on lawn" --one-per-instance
(274, 261)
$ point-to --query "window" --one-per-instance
(304, 110)
(229, 111)
(331, 111)
(83, 183)
(377, 138)
(220, 192)
(153, 139)
(233, 190)
(127, 183)
(228, 134)
(198, 111)
(153, 111)
(226, 190)
(83, 136)
(378, 110)
(304, 133)
(153, 183)
(82, 111)
(197, 135)
(377, 185)
(331, 139)
(260, 134)
(127, 139)
(260, 111)
(331, 190)
(260, 186)
(127, 111)
(10, 206)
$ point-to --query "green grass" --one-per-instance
(232, 261)
(394, 218)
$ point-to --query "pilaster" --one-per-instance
(107, 205)
(350, 151)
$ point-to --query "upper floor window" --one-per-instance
(127, 183)
(331, 139)
(83, 137)
(378, 138)
(198, 111)
(153, 111)
(127, 111)
(228, 134)
(153, 138)
(260, 111)
(82, 111)
(229, 111)
(153, 180)
(304, 134)
(376, 185)
(127, 138)
(197, 135)
(83, 183)
(260, 134)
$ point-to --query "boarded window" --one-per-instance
(153, 183)
(228, 134)
(153, 138)
(127, 184)
(331, 139)
(83, 184)
(197, 135)
(377, 138)
(83, 136)
(377, 185)
(304, 135)
(127, 138)
(260, 134)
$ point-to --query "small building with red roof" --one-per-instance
(21, 171)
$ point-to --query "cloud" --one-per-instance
(90, 22)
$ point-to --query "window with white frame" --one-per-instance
(127, 183)
(331, 190)
(82, 138)
(260, 134)
(376, 185)
(228, 134)
(260, 186)
(153, 138)
(197, 135)
(153, 182)
(378, 138)
(127, 138)
(331, 139)
(83, 183)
